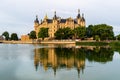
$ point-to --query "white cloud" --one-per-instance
(116, 30)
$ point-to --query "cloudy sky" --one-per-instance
(18, 15)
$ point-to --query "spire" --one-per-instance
(55, 13)
(83, 19)
(55, 17)
(78, 11)
(78, 16)
(41, 21)
(36, 20)
(82, 14)
(46, 17)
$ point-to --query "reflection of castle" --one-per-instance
(49, 58)
(71, 57)
(57, 22)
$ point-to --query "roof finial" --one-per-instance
(46, 17)
(55, 13)
(36, 16)
(78, 16)
(55, 17)
(78, 11)
(82, 14)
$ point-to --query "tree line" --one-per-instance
(7, 36)
(97, 32)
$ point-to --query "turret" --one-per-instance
(46, 17)
(36, 23)
(83, 20)
(78, 17)
(36, 20)
(55, 17)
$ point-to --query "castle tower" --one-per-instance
(55, 17)
(46, 17)
(82, 20)
(36, 23)
(78, 17)
(54, 24)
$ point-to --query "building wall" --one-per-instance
(25, 38)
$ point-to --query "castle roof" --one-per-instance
(49, 20)
(82, 19)
(78, 16)
(60, 20)
(36, 20)
(75, 21)
(63, 21)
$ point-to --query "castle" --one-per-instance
(57, 22)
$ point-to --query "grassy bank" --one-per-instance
(92, 43)
(104, 43)
(115, 43)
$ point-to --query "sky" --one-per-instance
(17, 16)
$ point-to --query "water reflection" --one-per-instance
(56, 58)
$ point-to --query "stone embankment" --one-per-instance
(40, 42)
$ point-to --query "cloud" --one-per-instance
(19, 13)
(116, 30)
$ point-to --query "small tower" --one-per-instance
(83, 20)
(78, 17)
(36, 23)
(46, 17)
(82, 15)
(36, 20)
(55, 17)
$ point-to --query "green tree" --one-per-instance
(64, 33)
(80, 32)
(68, 33)
(43, 33)
(6, 35)
(32, 35)
(14, 36)
(118, 37)
(59, 34)
(89, 31)
(104, 31)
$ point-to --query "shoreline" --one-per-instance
(41, 42)
(68, 42)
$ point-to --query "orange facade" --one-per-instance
(57, 22)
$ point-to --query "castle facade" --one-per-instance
(57, 22)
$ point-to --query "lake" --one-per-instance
(58, 62)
